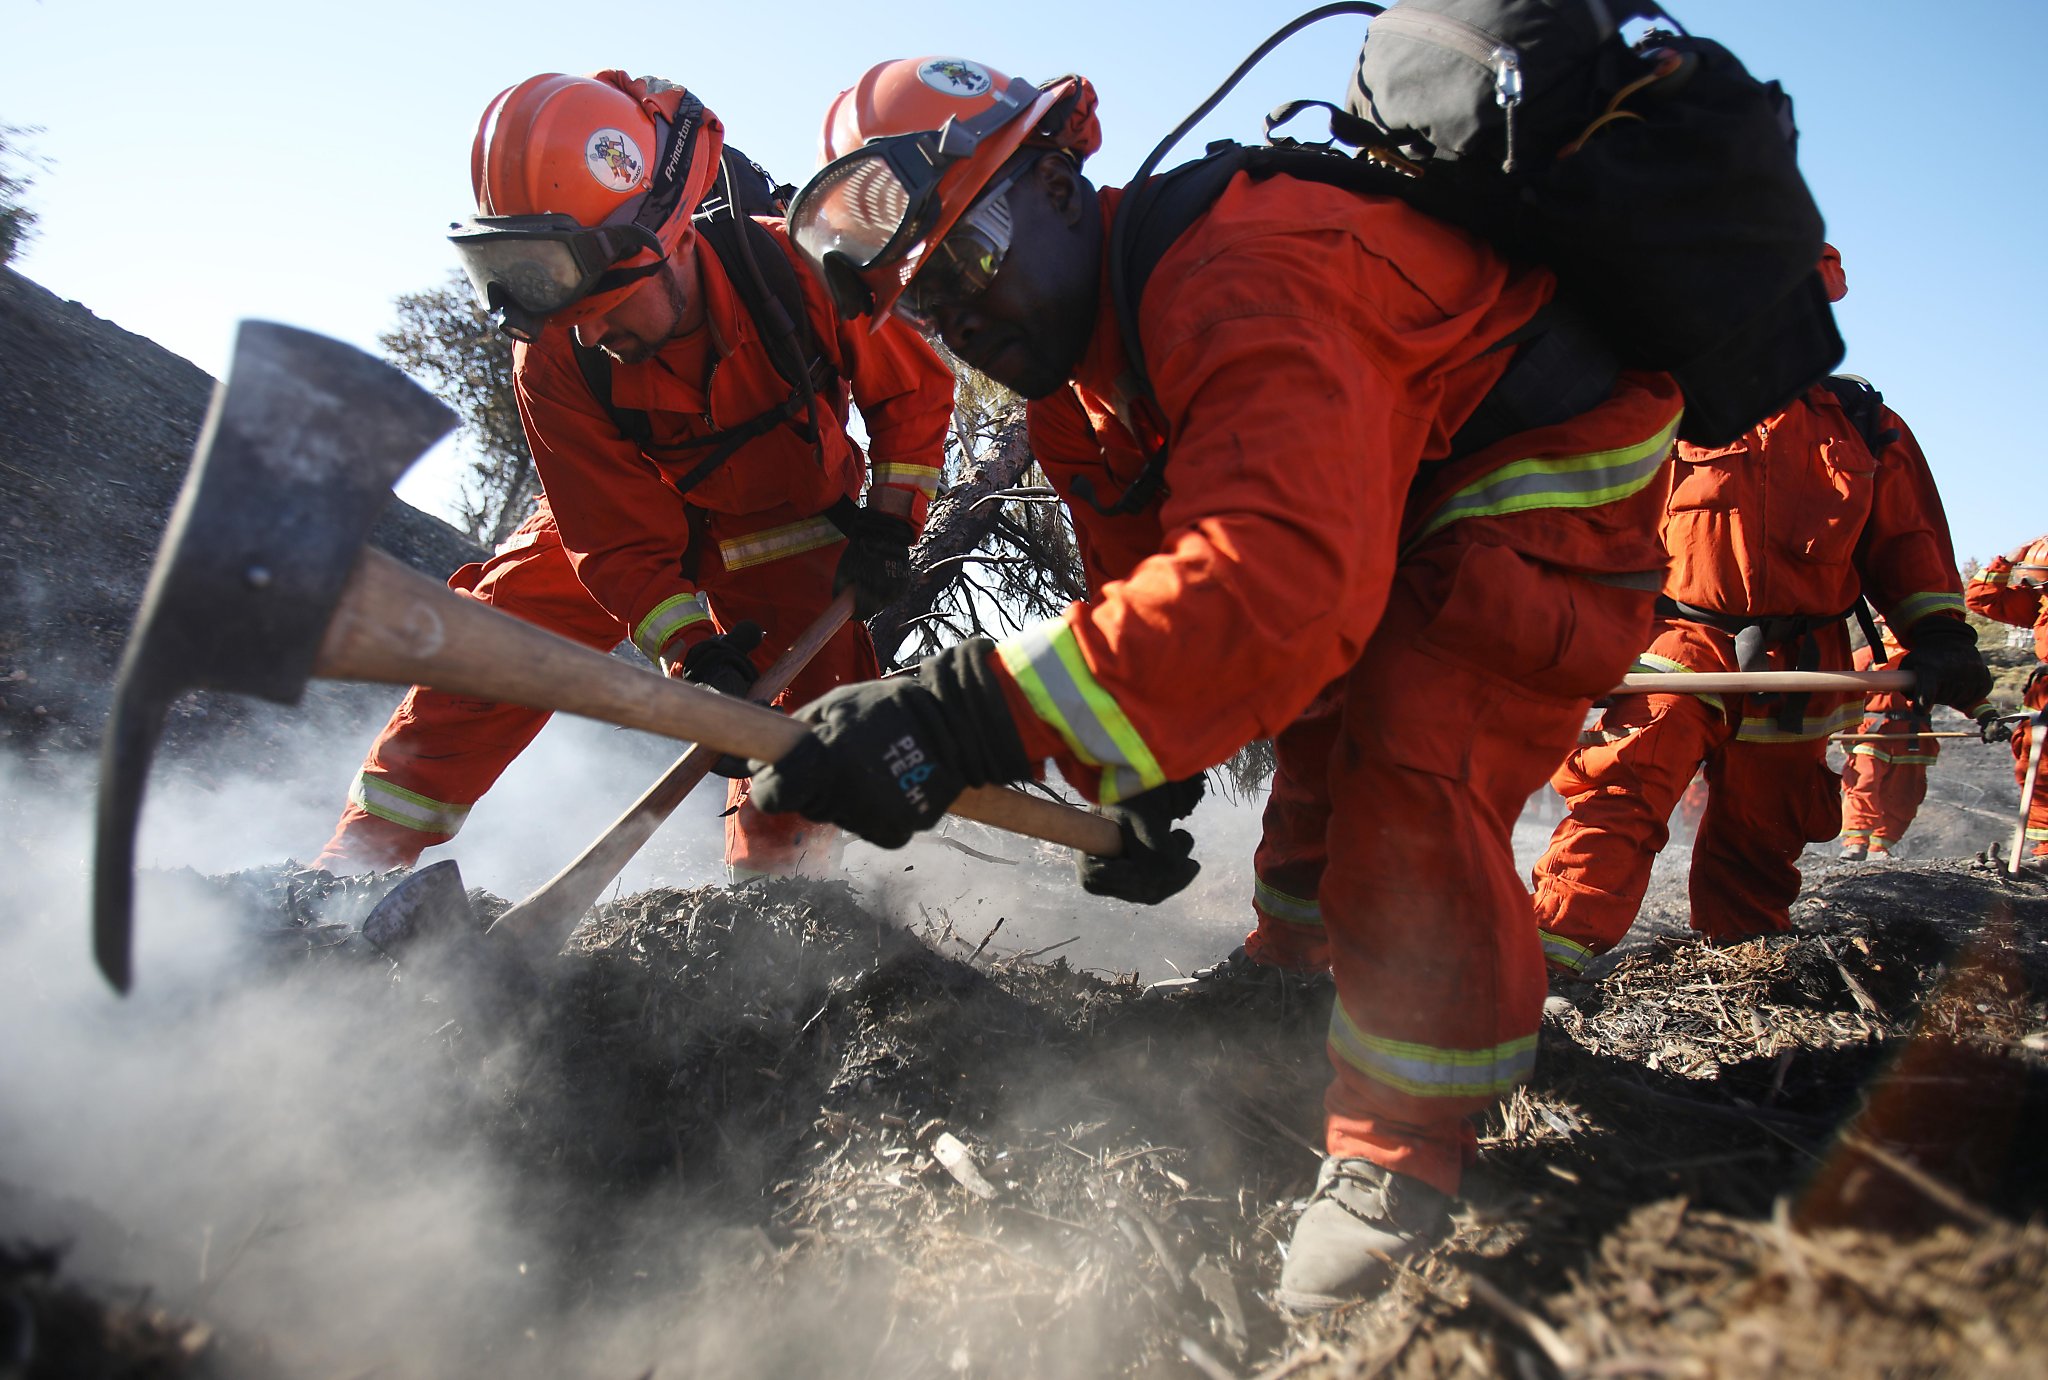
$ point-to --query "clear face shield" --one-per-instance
(527, 268)
(859, 217)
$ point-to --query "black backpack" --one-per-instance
(773, 296)
(1865, 408)
(1658, 181)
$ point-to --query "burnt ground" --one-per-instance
(775, 1131)
(1815, 1153)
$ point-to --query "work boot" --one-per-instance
(1360, 1221)
(1853, 850)
(1239, 975)
(1880, 851)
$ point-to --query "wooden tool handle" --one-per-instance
(1763, 682)
(399, 627)
(543, 922)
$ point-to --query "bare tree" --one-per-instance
(444, 338)
(998, 549)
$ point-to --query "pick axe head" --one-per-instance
(300, 448)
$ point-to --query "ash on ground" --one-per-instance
(766, 1131)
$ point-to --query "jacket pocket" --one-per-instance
(1819, 516)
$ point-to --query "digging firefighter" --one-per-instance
(2010, 590)
(684, 387)
(1312, 353)
(1774, 541)
(1884, 781)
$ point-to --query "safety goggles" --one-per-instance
(528, 268)
(863, 218)
(964, 263)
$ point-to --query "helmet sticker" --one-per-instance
(614, 160)
(954, 76)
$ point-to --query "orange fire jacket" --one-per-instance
(1313, 352)
(627, 529)
(2009, 591)
(1798, 517)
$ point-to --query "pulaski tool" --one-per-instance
(262, 583)
(432, 901)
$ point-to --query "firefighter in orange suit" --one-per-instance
(1884, 782)
(1312, 352)
(2009, 590)
(736, 507)
(1772, 540)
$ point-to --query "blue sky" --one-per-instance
(213, 161)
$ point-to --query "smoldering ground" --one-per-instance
(774, 1131)
(275, 1134)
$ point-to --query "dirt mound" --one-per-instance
(802, 1138)
(96, 430)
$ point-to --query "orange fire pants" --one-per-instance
(1884, 783)
(1287, 869)
(440, 753)
(2022, 737)
(1765, 802)
(1440, 981)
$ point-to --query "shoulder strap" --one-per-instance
(1560, 369)
(1865, 408)
(773, 297)
(596, 367)
(768, 287)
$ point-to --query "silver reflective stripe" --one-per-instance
(1281, 906)
(386, 801)
(665, 620)
(1915, 607)
(776, 543)
(1430, 1070)
(1563, 481)
(1047, 664)
(1563, 953)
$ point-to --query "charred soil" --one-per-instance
(874, 1152)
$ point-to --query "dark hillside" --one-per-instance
(96, 430)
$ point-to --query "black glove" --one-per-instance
(886, 757)
(876, 561)
(1992, 729)
(722, 663)
(1155, 862)
(1950, 669)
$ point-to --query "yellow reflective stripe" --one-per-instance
(1915, 607)
(1564, 481)
(1565, 953)
(1763, 728)
(1994, 577)
(2039, 835)
(665, 620)
(1427, 1070)
(1650, 663)
(1281, 906)
(1047, 664)
(921, 477)
(777, 543)
(408, 809)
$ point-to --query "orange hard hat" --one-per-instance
(907, 150)
(1831, 275)
(606, 150)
